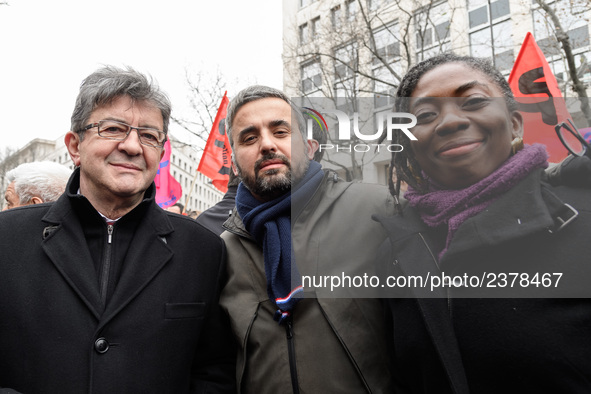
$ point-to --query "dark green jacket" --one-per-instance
(340, 343)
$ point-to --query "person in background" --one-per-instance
(289, 344)
(176, 208)
(102, 291)
(193, 214)
(516, 316)
(214, 217)
(35, 183)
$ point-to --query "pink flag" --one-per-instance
(168, 190)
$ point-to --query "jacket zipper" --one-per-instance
(293, 370)
(106, 265)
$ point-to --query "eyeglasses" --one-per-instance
(113, 130)
(572, 139)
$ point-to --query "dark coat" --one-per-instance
(529, 339)
(160, 332)
(214, 217)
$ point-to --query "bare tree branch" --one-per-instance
(562, 36)
(341, 53)
(205, 94)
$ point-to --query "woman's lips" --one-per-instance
(459, 149)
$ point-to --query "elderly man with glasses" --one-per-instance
(103, 291)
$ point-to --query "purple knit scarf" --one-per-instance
(452, 207)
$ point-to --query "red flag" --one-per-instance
(168, 189)
(215, 162)
(539, 98)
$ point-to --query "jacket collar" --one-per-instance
(65, 245)
(63, 206)
(528, 208)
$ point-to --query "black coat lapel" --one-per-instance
(65, 245)
(148, 253)
(415, 258)
(434, 308)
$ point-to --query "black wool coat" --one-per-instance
(517, 337)
(161, 330)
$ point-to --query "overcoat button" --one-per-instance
(101, 345)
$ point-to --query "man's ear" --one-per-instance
(36, 200)
(311, 147)
(234, 168)
(72, 141)
(517, 124)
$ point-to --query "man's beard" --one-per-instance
(272, 183)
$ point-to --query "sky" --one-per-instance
(48, 47)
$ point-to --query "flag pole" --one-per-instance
(191, 191)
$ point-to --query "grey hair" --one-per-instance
(110, 82)
(257, 92)
(44, 179)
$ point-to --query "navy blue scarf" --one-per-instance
(270, 225)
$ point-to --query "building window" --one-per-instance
(572, 15)
(387, 66)
(387, 45)
(373, 5)
(351, 10)
(346, 61)
(385, 85)
(304, 33)
(491, 31)
(311, 77)
(432, 30)
(346, 86)
(336, 16)
(315, 28)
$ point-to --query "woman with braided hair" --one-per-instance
(503, 256)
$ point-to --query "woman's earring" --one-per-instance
(516, 145)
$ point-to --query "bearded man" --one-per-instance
(288, 208)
